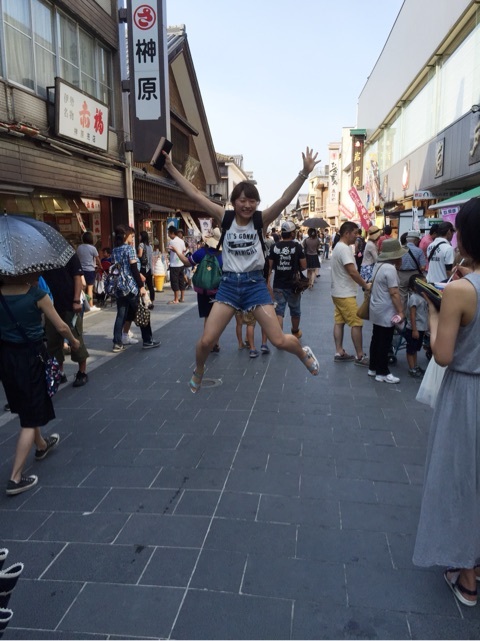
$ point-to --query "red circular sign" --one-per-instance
(144, 17)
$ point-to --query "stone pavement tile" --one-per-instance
(352, 434)
(217, 615)
(66, 499)
(405, 436)
(191, 478)
(106, 438)
(416, 473)
(35, 555)
(19, 526)
(269, 539)
(238, 505)
(104, 456)
(188, 457)
(118, 477)
(127, 610)
(398, 493)
(263, 482)
(400, 590)
(317, 487)
(343, 546)
(197, 502)
(83, 528)
(401, 549)
(394, 455)
(379, 518)
(371, 470)
(95, 563)
(217, 459)
(138, 500)
(280, 509)
(272, 445)
(165, 530)
(219, 570)
(445, 627)
(49, 635)
(42, 604)
(149, 440)
(319, 448)
(313, 466)
(299, 579)
(170, 567)
(321, 621)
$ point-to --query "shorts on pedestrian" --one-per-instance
(284, 297)
(345, 311)
(247, 318)
(205, 304)
(244, 291)
(55, 340)
(89, 277)
(177, 279)
(414, 345)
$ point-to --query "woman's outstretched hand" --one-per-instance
(309, 160)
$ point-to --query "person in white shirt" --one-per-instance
(345, 281)
(177, 268)
(440, 254)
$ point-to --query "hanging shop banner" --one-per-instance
(147, 44)
(80, 221)
(79, 116)
(205, 226)
(173, 222)
(346, 212)
(363, 213)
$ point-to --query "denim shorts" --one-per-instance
(243, 291)
(284, 296)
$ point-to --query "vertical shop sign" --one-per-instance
(358, 143)
(333, 176)
(147, 43)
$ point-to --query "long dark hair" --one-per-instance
(120, 235)
(144, 238)
(467, 223)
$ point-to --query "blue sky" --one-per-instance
(277, 75)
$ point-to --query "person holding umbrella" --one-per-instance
(27, 247)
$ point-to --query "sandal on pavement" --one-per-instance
(459, 590)
(254, 353)
(314, 366)
(195, 382)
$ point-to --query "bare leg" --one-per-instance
(311, 277)
(251, 336)
(266, 317)
(239, 331)
(27, 437)
(357, 341)
(280, 321)
(338, 337)
(295, 323)
(218, 319)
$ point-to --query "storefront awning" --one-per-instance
(456, 201)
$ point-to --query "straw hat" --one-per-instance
(374, 233)
(212, 237)
(391, 250)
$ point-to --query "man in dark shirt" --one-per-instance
(287, 257)
(66, 287)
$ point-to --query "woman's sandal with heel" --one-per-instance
(314, 366)
(195, 382)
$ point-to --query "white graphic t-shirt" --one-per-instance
(242, 250)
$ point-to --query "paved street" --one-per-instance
(273, 506)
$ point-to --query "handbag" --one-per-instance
(142, 315)
(53, 374)
(299, 283)
(431, 382)
(363, 311)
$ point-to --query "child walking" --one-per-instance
(417, 325)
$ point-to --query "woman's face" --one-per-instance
(245, 207)
(130, 239)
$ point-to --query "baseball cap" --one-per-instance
(413, 233)
(288, 226)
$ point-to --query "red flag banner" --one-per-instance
(355, 196)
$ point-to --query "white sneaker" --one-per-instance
(131, 334)
(389, 378)
(94, 308)
(372, 372)
(129, 340)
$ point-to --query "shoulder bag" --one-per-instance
(363, 311)
(51, 365)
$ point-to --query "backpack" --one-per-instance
(360, 245)
(227, 221)
(116, 283)
(208, 275)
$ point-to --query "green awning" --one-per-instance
(456, 201)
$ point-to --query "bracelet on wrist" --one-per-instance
(303, 175)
